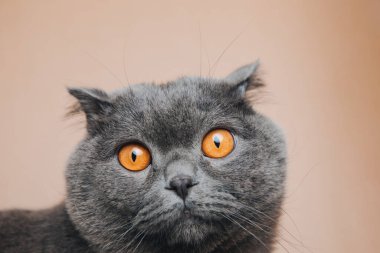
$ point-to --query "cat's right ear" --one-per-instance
(245, 79)
(96, 105)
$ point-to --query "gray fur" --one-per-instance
(234, 207)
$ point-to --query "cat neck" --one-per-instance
(216, 243)
(213, 244)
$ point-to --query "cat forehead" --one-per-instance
(186, 90)
(182, 84)
(172, 113)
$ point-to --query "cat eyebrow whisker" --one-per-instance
(214, 65)
(105, 67)
(200, 48)
(124, 63)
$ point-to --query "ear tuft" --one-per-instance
(94, 103)
(245, 78)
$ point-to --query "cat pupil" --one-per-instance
(134, 155)
(217, 141)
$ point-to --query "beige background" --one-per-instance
(320, 59)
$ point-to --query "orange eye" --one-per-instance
(134, 157)
(218, 143)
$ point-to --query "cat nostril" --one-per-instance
(180, 184)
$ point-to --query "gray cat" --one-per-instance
(187, 166)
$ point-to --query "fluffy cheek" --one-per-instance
(119, 186)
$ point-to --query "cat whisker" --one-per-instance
(132, 241)
(281, 236)
(105, 67)
(125, 233)
(233, 240)
(256, 224)
(200, 48)
(261, 214)
(291, 219)
(213, 67)
(245, 229)
(139, 242)
(124, 64)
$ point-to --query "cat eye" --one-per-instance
(134, 157)
(218, 143)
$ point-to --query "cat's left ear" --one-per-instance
(245, 78)
(96, 105)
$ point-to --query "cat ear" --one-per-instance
(245, 78)
(95, 104)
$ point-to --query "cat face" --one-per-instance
(182, 194)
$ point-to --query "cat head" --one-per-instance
(174, 164)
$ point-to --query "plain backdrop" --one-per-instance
(320, 60)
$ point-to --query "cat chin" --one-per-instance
(188, 228)
(188, 231)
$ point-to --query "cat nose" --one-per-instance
(181, 184)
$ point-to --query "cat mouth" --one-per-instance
(186, 213)
(188, 227)
(190, 217)
(184, 223)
